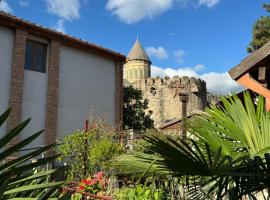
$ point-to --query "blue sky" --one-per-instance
(202, 38)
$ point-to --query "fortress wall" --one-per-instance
(163, 96)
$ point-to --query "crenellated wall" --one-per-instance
(163, 96)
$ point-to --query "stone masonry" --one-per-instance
(163, 96)
(163, 93)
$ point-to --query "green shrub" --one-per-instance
(140, 192)
(89, 152)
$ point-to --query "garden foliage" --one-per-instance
(19, 177)
(228, 155)
(260, 32)
(135, 116)
(88, 152)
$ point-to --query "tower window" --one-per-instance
(35, 56)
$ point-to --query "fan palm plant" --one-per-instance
(20, 178)
(224, 137)
(236, 127)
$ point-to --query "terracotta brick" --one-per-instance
(118, 94)
(52, 93)
(16, 82)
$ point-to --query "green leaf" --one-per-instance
(32, 187)
(20, 179)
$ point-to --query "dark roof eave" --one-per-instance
(168, 124)
(250, 61)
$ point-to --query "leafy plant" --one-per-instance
(237, 128)
(91, 185)
(89, 152)
(222, 157)
(260, 31)
(134, 110)
(140, 192)
(19, 177)
(76, 196)
(140, 145)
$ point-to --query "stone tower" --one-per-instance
(138, 65)
(163, 93)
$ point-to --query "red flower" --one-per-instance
(86, 181)
(81, 187)
(99, 175)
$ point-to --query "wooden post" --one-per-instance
(262, 76)
(85, 156)
(184, 100)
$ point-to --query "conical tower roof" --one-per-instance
(137, 52)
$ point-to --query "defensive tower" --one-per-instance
(138, 65)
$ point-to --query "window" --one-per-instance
(35, 56)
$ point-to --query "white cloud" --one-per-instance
(65, 10)
(179, 55)
(158, 52)
(5, 7)
(218, 83)
(68, 10)
(208, 3)
(199, 68)
(60, 26)
(132, 11)
(24, 3)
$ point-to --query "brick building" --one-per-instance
(55, 79)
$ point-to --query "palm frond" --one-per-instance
(20, 178)
(238, 128)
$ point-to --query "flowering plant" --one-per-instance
(93, 184)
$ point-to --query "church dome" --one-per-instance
(137, 52)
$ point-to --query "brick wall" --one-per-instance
(118, 94)
(16, 82)
(52, 94)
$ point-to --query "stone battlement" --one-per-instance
(168, 81)
(188, 84)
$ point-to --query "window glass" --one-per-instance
(35, 56)
(40, 58)
(28, 56)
